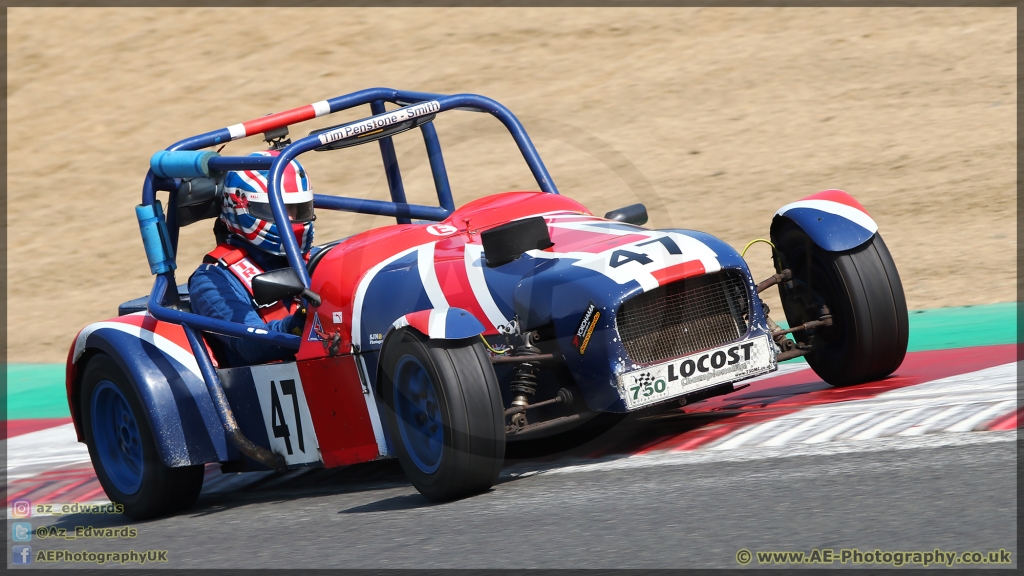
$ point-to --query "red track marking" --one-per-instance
(774, 397)
(1007, 422)
(18, 427)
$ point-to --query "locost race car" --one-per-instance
(440, 338)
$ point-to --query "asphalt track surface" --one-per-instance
(924, 459)
(954, 492)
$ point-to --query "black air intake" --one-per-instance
(687, 316)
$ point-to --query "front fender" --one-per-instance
(441, 323)
(166, 379)
(832, 219)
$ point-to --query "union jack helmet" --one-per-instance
(246, 207)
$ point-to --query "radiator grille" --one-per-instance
(683, 317)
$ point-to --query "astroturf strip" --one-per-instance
(38, 390)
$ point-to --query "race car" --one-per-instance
(440, 338)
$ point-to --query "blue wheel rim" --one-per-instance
(115, 434)
(418, 414)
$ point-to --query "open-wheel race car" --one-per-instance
(441, 337)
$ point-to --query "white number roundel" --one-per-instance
(442, 229)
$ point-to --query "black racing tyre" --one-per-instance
(123, 450)
(445, 414)
(862, 290)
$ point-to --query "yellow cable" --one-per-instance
(755, 241)
(489, 346)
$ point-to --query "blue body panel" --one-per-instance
(185, 424)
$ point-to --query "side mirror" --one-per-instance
(505, 243)
(275, 285)
(632, 214)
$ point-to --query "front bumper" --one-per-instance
(746, 358)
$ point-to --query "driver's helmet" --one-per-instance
(246, 207)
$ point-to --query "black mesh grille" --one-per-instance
(683, 317)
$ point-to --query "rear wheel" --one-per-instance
(123, 450)
(862, 290)
(445, 415)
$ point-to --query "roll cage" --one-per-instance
(417, 110)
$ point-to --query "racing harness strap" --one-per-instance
(237, 261)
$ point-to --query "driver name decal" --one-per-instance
(380, 122)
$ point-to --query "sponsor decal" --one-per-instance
(585, 330)
(336, 317)
(316, 330)
(376, 338)
(720, 365)
(442, 229)
(380, 122)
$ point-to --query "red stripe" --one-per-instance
(678, 272)
(569, 240)
(1007, 422)
(450, 267)
(839, 197)
(14, 428)
(280, 119)
(258, 178)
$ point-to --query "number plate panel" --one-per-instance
(285, 412)
(729, 363)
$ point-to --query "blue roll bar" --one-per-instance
(398, 207)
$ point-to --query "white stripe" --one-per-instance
(364, 283)
(893, 413)
(288, 197)
(475, 273)
(886, 424)
(237, 131)
(560, 214)
(830, 433)
(982, 416)
(922, 426)
(436, 323)
(744, 436)
(259, 183)
(848, 212)
(428, 276)
(166, 346)
(780, 439)
(371, 408)
(43, 450)
(321, 108)
(633, 270)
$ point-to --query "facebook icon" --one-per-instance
(22, 555)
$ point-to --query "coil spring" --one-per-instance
(524, 377)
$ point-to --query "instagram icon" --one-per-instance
(21, 508)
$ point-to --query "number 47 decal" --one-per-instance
(620, 257)
(277, 422)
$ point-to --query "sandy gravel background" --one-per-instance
(712, 117)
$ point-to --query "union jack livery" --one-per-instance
(438, 339)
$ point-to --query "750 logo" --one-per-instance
(647, 385)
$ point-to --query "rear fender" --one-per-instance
(832, 219)
(166, 379)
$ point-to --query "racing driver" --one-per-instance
(221, 287)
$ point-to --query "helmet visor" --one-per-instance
(300, 212)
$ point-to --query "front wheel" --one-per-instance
(123, 451)
(863, 293)
(445, 414)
